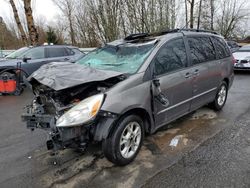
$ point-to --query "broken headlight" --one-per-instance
(81, 113)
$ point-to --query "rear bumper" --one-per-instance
(241, 68)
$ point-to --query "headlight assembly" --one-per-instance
(83, 112)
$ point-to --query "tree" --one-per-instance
(8, 39)
(212, 14)
(68, 8)
(51, 36)
(191, 3)
(232, 13)
(19, 24)
(33, 34)
(199, 15)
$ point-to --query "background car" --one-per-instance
(16, 54)
(242, 57)
(234, 46)
(4, 53)
(35, 57)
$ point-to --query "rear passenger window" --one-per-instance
(201, 49)
(221, 48)
(171, 57)
(56, 52)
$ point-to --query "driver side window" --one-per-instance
(35, 53)
(172, 56)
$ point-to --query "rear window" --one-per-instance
(56, 52)
(201, 49)
(221, 47)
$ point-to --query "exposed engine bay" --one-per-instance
(49, 105)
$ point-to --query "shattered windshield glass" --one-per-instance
(125, 58)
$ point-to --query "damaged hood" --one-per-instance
(62, 75)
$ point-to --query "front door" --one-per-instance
(36, 58)
(173, 93)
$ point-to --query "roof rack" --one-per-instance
(144, 35)
(136, 36)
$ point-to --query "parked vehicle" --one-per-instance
(16, 54)
(242, 57)
(234, 46)
(1, 55)
(32, 58)
(4, 53)
(130, 87)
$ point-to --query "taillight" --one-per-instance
(234, 60)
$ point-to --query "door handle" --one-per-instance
(66, 59)
(196, 72)
(188, 75)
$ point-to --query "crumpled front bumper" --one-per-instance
(58, 137)
(42, 121)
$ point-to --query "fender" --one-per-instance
(107, 121)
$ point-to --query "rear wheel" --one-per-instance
(221, 97)
(125, 142)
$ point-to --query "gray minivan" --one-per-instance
(128, 88)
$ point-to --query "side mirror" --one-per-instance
(25, 59)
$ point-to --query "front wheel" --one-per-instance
(221, 97)
(125, 142)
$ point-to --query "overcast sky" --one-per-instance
(48, 12)
(44, 8)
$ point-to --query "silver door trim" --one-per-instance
(183, 102)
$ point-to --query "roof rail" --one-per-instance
(200, 30)
(144, 35)
(192, 30)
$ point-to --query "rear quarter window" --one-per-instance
(56, 52)
(221, 47)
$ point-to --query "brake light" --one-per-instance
(234, 60)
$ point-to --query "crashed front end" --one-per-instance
(69, 115)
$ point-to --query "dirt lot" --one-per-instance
(24, 161)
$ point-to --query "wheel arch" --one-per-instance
(227, 81)
(141, 112)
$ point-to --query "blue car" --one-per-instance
(15, 54)
(32, 58)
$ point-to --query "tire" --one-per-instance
(123, 150)
(221, 97)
